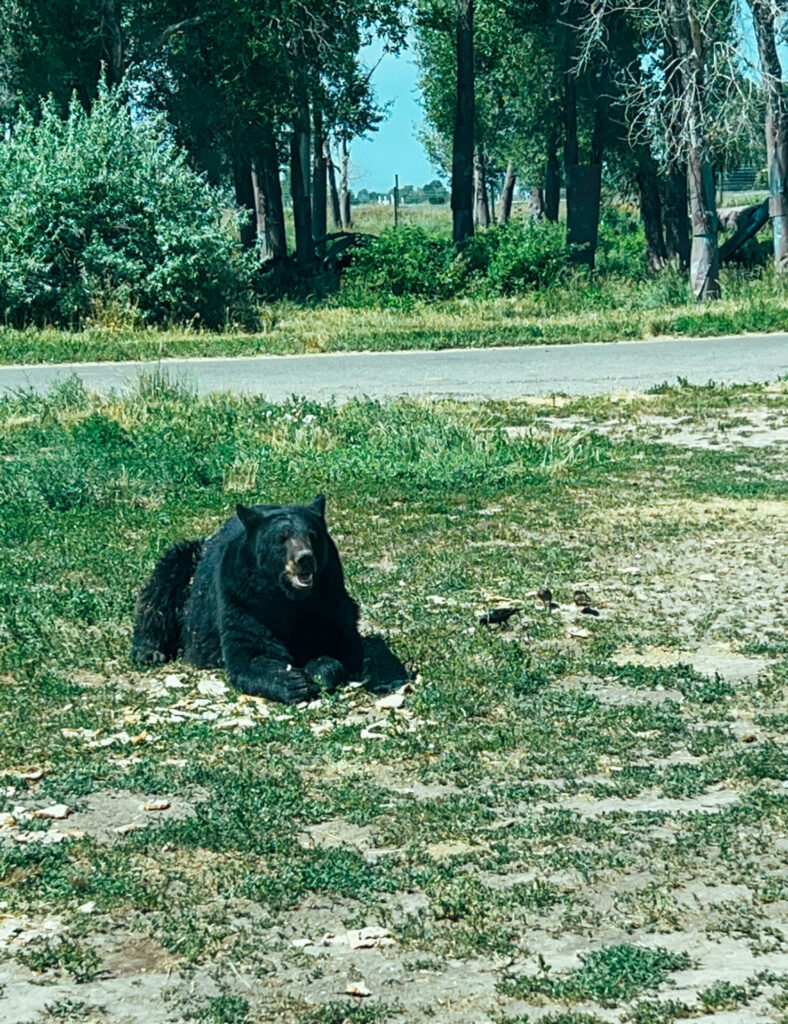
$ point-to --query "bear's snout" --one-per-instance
(304, 561)
(301, 568)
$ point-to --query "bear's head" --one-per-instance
(289, 544)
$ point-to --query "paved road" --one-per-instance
(467, 373)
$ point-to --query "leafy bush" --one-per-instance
(100, 210)
(525, 258)
(621, 248)
(406, 261)
(410, 262)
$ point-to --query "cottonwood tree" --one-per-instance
(58, 48)
(253, 85)
(685, 97)
(766, 15)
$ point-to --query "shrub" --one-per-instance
(621, 249)
(100, 210)
(406, 261)
(525, 258)
(506, 260)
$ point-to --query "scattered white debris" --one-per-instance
(390, 701)
(242, 722)
(212, 687)
(173, 682)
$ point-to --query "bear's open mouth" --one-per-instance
(302, 580)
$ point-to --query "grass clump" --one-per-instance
(609, 975)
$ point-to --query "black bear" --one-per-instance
(264, 597)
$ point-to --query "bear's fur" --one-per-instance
(264, 597)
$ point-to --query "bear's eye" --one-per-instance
(283, 536)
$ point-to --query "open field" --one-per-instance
(570, 818)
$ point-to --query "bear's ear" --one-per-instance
(318, 506)
(248, 516)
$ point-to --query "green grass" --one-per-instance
(476, 801)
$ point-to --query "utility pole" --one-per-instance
(396, 199)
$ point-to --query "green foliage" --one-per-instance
(62, 954)
(502, 260)
(407, 261)
(518, 259)
(608, 975)
(621, 248)
(99, 209)
(723, 995)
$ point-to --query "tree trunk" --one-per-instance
(677, 240)
(763, 16)
(748, 222)
(319, 192)
(704, 254)
(300, 177)
(583, 182)
(536, 204)
(651, 209)
(344, 189)
(552, 184)
(112, 41)
(462, 163)
(268, 198)
(244, 196)
(481, 206)
(507, 193)
(333, 192)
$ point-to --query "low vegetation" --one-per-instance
(571, 815)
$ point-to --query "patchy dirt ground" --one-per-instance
(463, 862)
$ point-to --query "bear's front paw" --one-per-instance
(327, 672)
(291, 687)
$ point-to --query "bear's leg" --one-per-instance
(157, 618)
(258, 664)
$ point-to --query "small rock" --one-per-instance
(302, 943)
(157, 805)
(368, 938)
(706, 577)
(32, 776)
(87, 908)
(173, 682)
(357, 988)
(132, 826)
(57, 812)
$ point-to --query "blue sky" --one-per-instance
(394, 148)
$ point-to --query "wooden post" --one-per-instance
(396, 199)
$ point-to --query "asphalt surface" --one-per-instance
(461, 373)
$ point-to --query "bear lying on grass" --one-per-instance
(264, 597)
